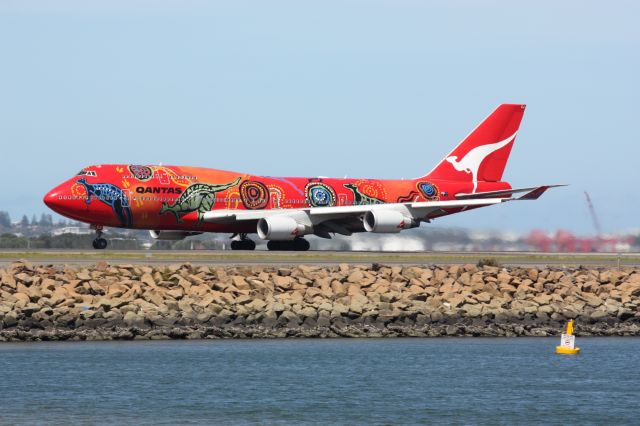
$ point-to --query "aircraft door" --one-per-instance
(275, 197)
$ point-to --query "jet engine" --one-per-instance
(171, 235)
(279, 228)
(386, 221)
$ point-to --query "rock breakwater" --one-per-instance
(185, 301)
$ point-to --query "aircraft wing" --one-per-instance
(418, 210)
(422, 210)
(379, 218)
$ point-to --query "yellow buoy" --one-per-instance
(568, 342)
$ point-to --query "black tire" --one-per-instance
(95, 244)
(274, 245)
(300, 244)
(248, 245)
(100, 243)
(243, 245)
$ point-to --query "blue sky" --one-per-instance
(359, 88)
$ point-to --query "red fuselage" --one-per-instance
(176, 198)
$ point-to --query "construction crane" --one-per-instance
(594, 217)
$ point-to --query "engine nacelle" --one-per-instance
(171, 235)
(280, 228)
(386, 221)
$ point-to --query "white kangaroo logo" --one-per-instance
(474, 158)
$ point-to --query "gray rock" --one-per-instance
(10, 319)
(452, 330)
(134, 320)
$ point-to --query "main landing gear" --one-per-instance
(297, 244)
(243, 243)
(99, 243)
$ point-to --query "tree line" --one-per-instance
(64, 241)
(45, 220)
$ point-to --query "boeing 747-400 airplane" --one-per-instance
(175, 202)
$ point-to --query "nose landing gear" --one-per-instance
(99, 243)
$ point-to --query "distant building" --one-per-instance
(76, 230)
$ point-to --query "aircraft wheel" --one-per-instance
(100, 244)
(243, 245)
(300, 244)
(274, 245)
(249, 244)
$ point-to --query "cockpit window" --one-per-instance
(86, 173)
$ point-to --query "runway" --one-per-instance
(230, 258)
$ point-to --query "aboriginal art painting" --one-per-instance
(112, 196)
(428, 190)
(142, 173)
(198, 197)
(254, 195)
(172, 197)
(410, 197)
(360, 198)
(320, 194)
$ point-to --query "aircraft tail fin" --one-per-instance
(483, 154)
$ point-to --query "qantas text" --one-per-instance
(157, 190)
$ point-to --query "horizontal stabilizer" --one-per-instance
(536, 193)
(531, 193)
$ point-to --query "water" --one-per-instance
(381, 381)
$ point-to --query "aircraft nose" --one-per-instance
(55, 199)
(67, 199)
